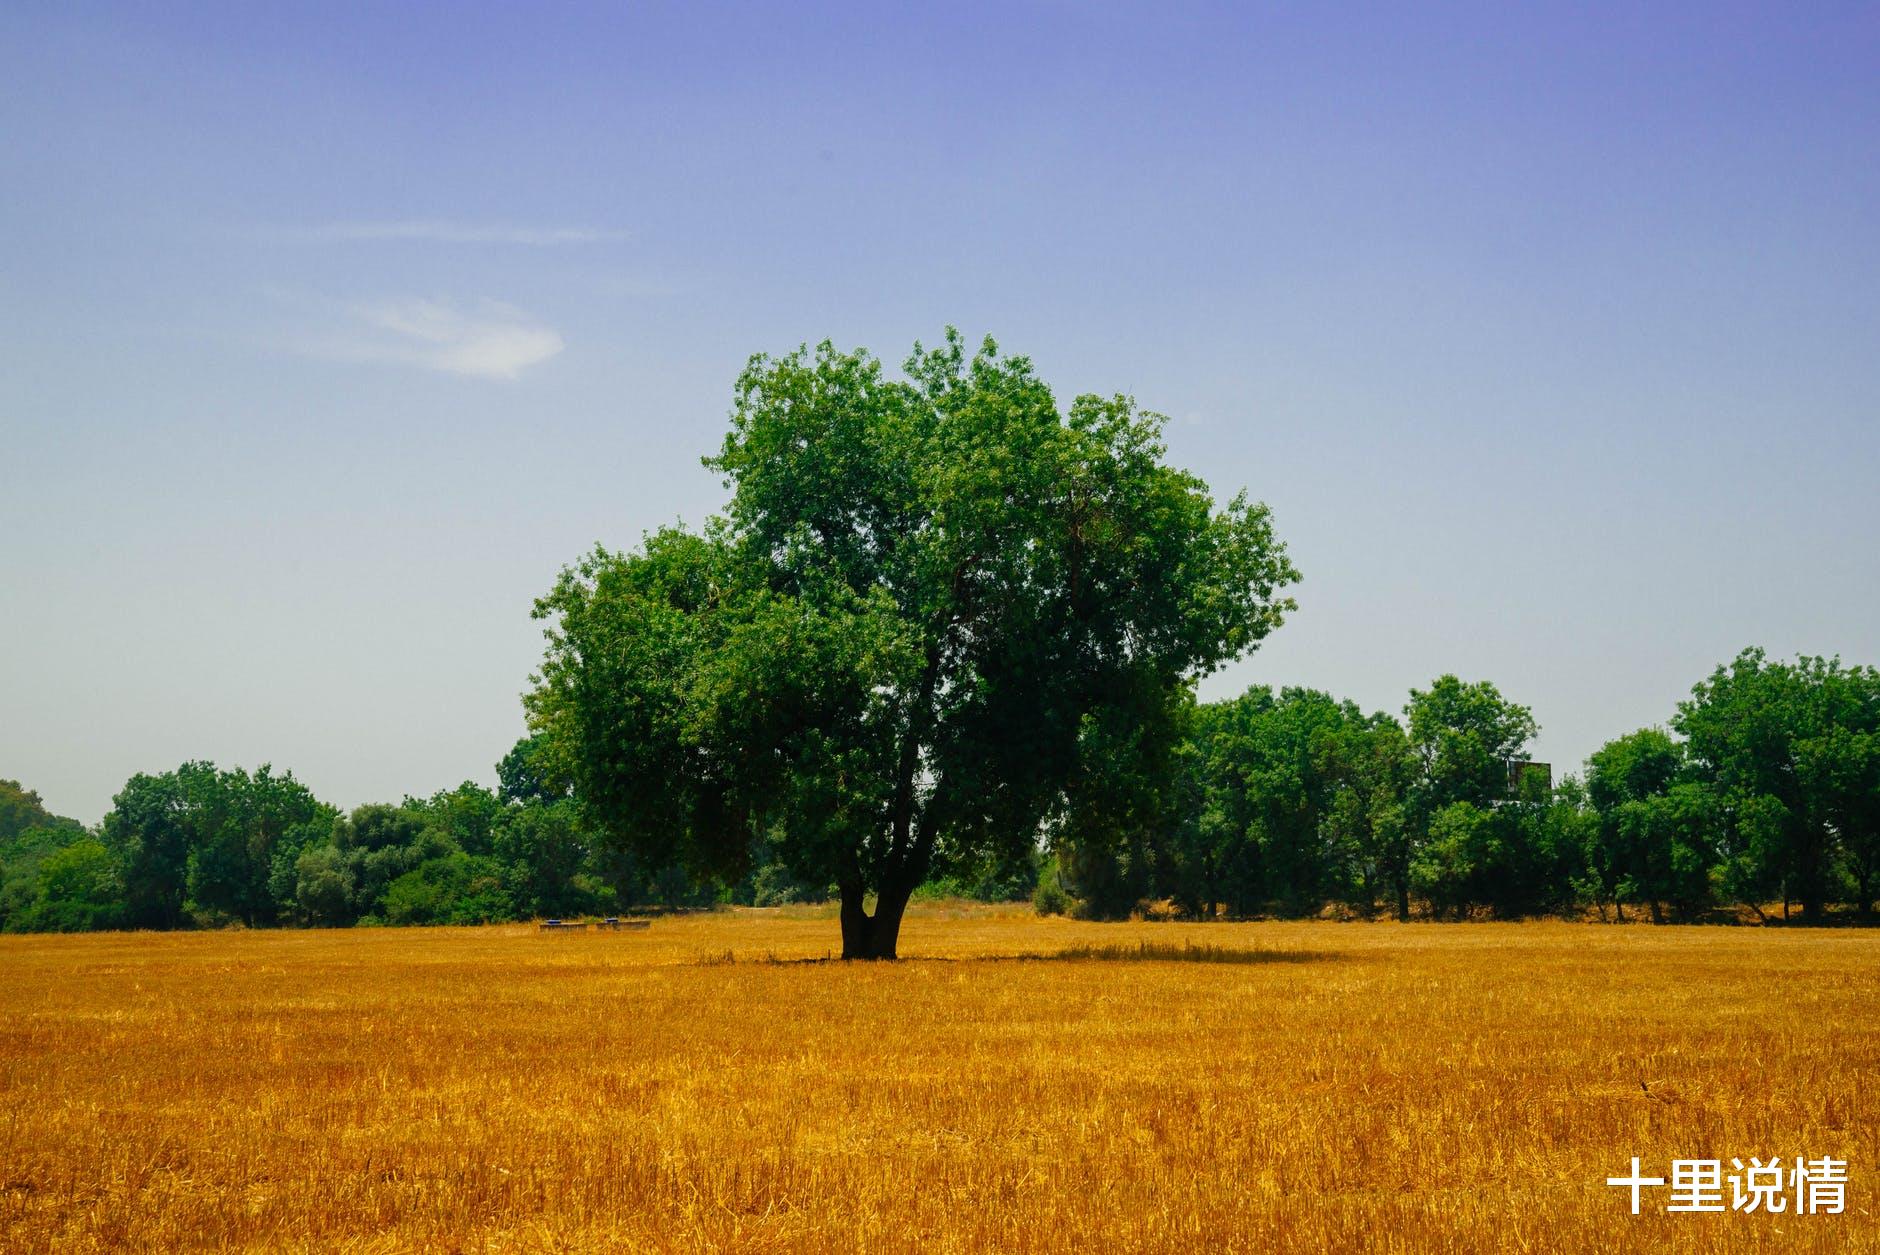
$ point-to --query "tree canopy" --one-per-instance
(1791, 755)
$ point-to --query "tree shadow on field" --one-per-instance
(1165, 952)
(1142, 952)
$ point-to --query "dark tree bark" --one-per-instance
(910, 844)
(1814, 899)
(876, 936)
(1812, 891)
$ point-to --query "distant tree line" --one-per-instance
(1765, 789)
(203, 847)
(1763, 793)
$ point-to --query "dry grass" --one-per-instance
(1302, 1087)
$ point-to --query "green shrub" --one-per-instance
(79, 890)
(1049, 897)
(457, 889)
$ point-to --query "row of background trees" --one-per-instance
(1763, 795)
(1765, 789)
(202, 847)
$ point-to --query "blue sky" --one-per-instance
(329, 333)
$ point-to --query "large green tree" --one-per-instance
(201, 843)
(1368, 768)
(152, 826)
(1787, 749)
(1260, 834)
(930, 600)
(1653, 839)
(1464, 736)
(1840, 771)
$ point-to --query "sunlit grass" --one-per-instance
(1306, 1086)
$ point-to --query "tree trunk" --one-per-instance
(910, 842)
(876, 936)
(855, 921)
(1812, 891)
(1403, 909)
(1814, 900)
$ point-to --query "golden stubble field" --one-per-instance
(1339, 1087)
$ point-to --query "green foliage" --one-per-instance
(467, 817)
(207, 847)
(21, 855)
(528, 773)
(1653, 839)
(1464, 735)
(543, 849)
(458, 888)
(623, 879)
(1281, 803)
(987, 881)
(383, 843)
(1788, 754)
(1840, 773)
(1458, 856)
(944, 631)
(21, 811)
(1266, 795)
(1111, 880)
(325, 887)
(1513, 859)
(774, 886)
(199, 844)
(78, 890)
(1124, 802)
(1471, 843)
(1367, 769)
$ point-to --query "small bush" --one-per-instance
(1049, 897)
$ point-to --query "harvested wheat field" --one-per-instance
(1018, 1084)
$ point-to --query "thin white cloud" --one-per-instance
(441, 231)
(488, 340)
